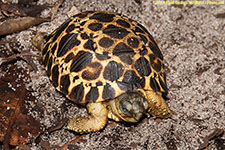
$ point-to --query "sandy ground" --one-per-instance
(192, 41)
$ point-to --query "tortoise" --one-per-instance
(109, 63)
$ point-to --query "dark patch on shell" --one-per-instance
(105, 42)
(64, 83)
(113, 71)
(89, 45)
(55, 75)
(99, 83)
(69, 57)
(154, 84)
(84, 36)
(46, 58)
(142, 66)
(123, 23)
(143, 38)
(124, 86)
(133, 42)
(49, 66)
(138, 30)
(60, 29)
(80, 61)
(163, 85)
(92, 95)
(144, 51)
(82, 15)
(77, 93)
(54, 48)
(103, 56)
(131, 77)
(155, 49)
(103, 17)
(115, 32)
(95, 26)
(108, 92)
(155, 62)
(124, 52)
(66, 43)
(45, 49)
(70, 28)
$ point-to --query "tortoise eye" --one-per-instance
(125, 107)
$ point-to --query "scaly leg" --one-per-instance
(96, 120)
(157, 105)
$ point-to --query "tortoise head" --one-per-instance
(130, 106)
(39, 40)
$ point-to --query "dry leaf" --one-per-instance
(25, 8)
(11, 9)
(57, 7)
(19, 24)
(16, 127)
(217, 132)
(220, 15)
(67, 145)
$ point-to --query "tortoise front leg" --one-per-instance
(157, 105)
(96, 120)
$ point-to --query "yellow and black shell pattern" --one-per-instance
(96, 56)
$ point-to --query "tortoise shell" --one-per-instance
(96, 56)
